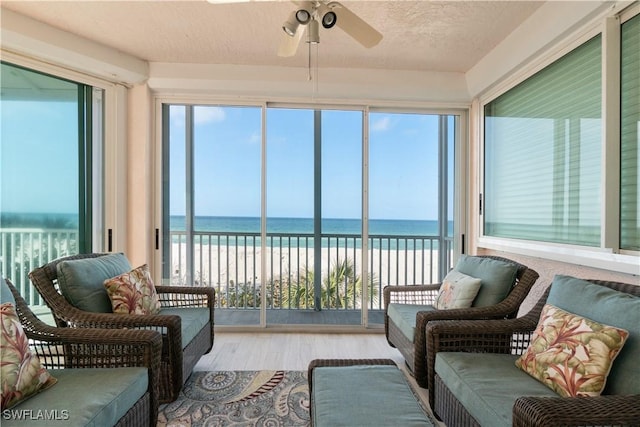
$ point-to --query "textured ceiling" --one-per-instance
(418, 35)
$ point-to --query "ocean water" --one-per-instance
(305, 225)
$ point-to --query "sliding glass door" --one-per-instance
(46, 162)
(300, 216)
(314, 211)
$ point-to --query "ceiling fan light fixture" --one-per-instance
(329, 19)
(290, 26)
(303, 16)
(328, 16)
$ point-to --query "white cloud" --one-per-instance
(208, 115)
(382, 124)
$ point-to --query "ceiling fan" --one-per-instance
(312, 14)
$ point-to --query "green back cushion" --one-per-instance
(609, 307)
(498, 277)
(81, 281)
(5, 293)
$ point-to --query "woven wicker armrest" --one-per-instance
(484, 336)
(317, 363)
(186, 296)
(413, 294)
(577, 411)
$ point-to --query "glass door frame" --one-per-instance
(459, 174)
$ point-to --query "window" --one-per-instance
(543, 153)
(630, 129)
(48, 128)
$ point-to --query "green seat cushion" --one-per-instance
(487, 384)
(498, 277)
(81, 281)
(193, 319)
(5, 293)
(84, 397)
(609, 307)
(364, 395)
(404, 317)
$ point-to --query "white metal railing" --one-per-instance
(23, 249)
(232, 263)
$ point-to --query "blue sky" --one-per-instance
(38, 157)
(39, 162)
(403, 163)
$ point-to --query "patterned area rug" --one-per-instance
(240, 398)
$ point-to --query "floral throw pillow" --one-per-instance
(22, 374)
(133, 292)
(457, 291)
(570, 354)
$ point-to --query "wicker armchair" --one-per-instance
(415, 351)
(512, 336)
(66, 348)
(177, 362)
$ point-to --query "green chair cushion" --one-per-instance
(5, 293)
(84, 397)
(487, 384)
(193, 319)
(498, 277)
(364, 395)
(81, 281)
(609, 307)
(404, 317)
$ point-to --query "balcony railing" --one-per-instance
(232, 264)
(23, 249)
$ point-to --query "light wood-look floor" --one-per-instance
(251, 351)
(233, 351)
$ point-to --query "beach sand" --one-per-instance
(222, 265)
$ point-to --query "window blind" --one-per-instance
(630, 128)
(543, 151)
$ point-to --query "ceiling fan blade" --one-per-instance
(353, 25)
(289, 45)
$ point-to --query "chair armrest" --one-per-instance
(317, 363)
(576, 411)
(95, 348)
(186, 296)
(410, 294)
(480, 336)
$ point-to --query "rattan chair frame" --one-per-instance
(512, 336)
(70, 348)
(415, 351)
(176, 363)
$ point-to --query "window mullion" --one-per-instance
(610, 213)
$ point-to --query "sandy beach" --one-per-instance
(220, 265)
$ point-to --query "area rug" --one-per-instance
(240, 398)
